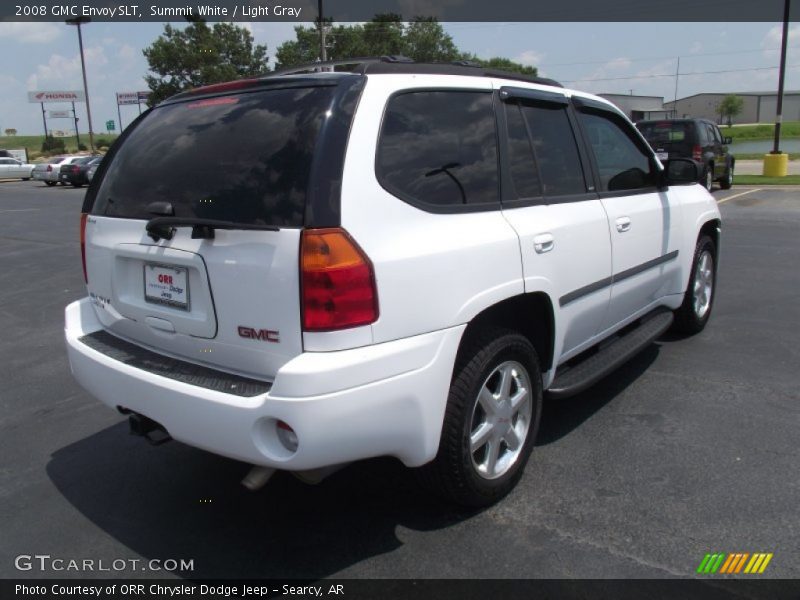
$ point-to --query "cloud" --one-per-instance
(529, 57)
(66, 71)
(30, 33)
(772, 41)
(126, 52)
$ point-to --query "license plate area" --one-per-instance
(662, 155)
(167, 285)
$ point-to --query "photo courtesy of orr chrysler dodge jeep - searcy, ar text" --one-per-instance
(400, 259)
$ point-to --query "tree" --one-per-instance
(730, 106)
(422, 39)
(197, 55)
(505, 64)
(52, 145)
(11, 131)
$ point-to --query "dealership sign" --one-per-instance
(57, 96)
(60, 114)
(131, 97)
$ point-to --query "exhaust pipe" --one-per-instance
(257, 477)
(315, 476)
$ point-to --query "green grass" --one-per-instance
(762, 131)
(762, 180)
(34, 142)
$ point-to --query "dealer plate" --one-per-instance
(165, 284)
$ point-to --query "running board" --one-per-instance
(578, 377)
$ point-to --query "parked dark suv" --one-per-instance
(693, 138)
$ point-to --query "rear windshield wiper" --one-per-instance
(164, 227)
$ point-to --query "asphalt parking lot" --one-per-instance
(691, 448)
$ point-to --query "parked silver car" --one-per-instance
(11, 168)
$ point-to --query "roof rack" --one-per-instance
(359, 62)
(403, 64)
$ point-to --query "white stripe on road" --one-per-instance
(738, 195)
(17, 210)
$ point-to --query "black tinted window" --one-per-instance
(555, 150)
(622, 163)
(520, 155)
(661, 132)
(244, 158)
(439, 148)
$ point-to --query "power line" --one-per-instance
(673, 74)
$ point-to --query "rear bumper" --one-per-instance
(381, 400)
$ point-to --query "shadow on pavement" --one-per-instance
(175, 501)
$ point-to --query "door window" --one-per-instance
(622, 163)
(543, 151)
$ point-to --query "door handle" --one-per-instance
(623, 224)
(543, 243)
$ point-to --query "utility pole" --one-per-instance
(78, 21)
(323, 53)
(677, 73)
(77, 133)
(781, 77)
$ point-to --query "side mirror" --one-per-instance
(681, 171)
(727, 140)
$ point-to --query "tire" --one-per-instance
(708, 178)
(50, 183)
(474, 479)
(698, 299)
(727, 180)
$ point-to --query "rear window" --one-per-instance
(666, 132)
(244, 158)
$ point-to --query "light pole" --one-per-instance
(78, 21)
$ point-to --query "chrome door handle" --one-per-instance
(543, 243)
(623, 224)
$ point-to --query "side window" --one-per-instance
(439, 148)
(554, 149)
(522, 165)
(623, 165)
(702, 134)
(717, 134)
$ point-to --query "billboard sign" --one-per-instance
(60, 114)
(57, 96)
(127, 98)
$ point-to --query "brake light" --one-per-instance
(49, 167)
(84, 216)
(338, 282)
(75, 169)
(697, 152)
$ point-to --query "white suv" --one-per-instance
(308, 269)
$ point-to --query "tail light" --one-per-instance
(84, 216)
(49, 168)
(75, 169)
(338, 282)
(697, 152)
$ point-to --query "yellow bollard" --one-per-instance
(776, 165)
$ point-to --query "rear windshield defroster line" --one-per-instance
(244, 158)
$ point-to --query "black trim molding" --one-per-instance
(608, 281)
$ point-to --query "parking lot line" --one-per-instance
(5, 210)
(738, 195)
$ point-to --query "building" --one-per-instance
(639, 108)
(759, 107)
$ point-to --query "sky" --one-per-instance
(638, 58)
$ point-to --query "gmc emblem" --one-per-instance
(265, 335)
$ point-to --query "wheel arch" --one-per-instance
(711, 228)
(531, 314)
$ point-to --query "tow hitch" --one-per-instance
(153, 431)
